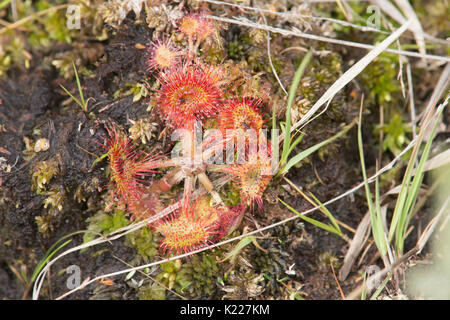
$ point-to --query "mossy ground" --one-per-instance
(50, 193)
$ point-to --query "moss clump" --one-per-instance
(395, 134)
(321, 73)
(54, 202)
(138, 90)
(235, 50)
(271, 264)
(230, 195)
(259, 61)
(242, 284)
(81, 55)
(54, 199)
(142, 129)
(44, 224)
(102, 222)
(53, 28)
(327, 258)
(433, 16)
(192, 279)
(43, 172)
(172, 277)
(151, 291)
(202, 272)
(380, 79)
(213, 53)
(145, 242)
(12, 53)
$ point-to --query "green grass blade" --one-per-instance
(316, 223)
(292, 90)
(364, 290)
(381, 287)
(52, 251)
(302, 155)
(42, 263)
(103, 156)
(296, 142)
(72, 96)
(375, 214)
(328, 213)
(413, 190)
(378, 221)
(238, 248)
(79, 88)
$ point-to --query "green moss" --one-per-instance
(145, 242)
(235, 50)
(53, 28)
(172, 277)
(138, 90)
(242, 284)
(201, 272)
(259, 61)
(213, 53)
(193, 278)
(13, 53)
(44, 224)
(395, 134)
(54, 199)
(102, 222)
(151, 291)
(380, 78)
(43, 172)
(230, 194)
(325, 259)
(82, 56)
(321, 73)
(433, 15)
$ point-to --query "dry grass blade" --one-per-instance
(269, 55)
(416, 27)
(392, 11)
(389, 9)
(437, 161)
(298, 33)
(350, 74)
(423, 239)
(356, 245)
(432, 226)
(441, 87)
(412, 107)
(290, 15)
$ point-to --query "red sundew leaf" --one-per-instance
(189, 93)
(162, 55)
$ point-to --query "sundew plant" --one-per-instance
(191, 93)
